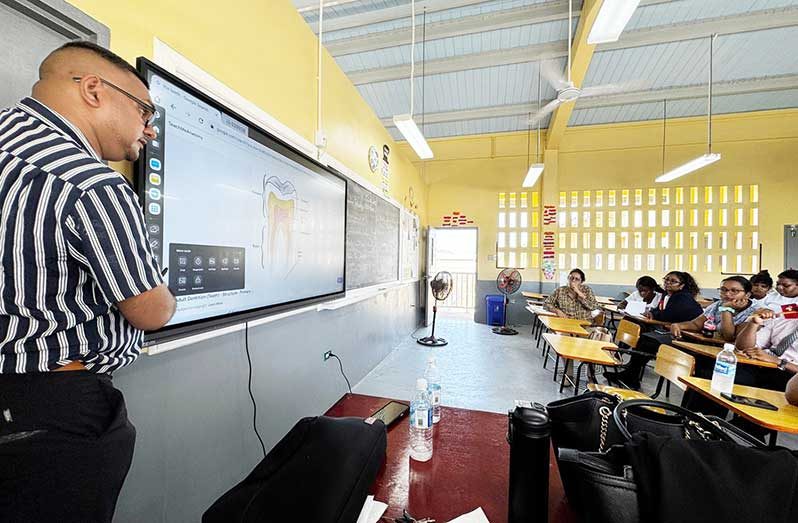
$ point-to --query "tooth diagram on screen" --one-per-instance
(278, 245)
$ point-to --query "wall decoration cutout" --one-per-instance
(386, 173)
(548, 266)
(549, 215)
(409, 201)
(456, 219)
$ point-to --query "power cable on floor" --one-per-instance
(249, 387)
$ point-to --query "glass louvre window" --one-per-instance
(689, 227)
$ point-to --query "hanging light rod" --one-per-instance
(404, 122)
(535, 169)
(709, 157)
(611, 21)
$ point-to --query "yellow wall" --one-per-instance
(265, 51)
(762, 147)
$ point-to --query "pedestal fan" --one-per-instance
(508, 282)
(441, 286)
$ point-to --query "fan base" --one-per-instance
(504, 331)
(432, 341)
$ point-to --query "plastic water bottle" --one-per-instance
(725, 369)
(421, 423)
(433, 377)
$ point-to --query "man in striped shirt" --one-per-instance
(78, 282)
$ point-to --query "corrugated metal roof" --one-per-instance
(691, 11)
(457, 46)
(471, 89)
(735, 103)
(742, 55)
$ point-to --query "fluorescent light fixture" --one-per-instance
(532, 175)
(411, 132)
(611, 20)
(692, 165)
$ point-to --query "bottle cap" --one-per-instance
(421, 384)
(728, 346)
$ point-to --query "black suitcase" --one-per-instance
(320, 472)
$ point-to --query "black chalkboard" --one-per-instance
(372, 238)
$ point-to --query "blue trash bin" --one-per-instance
(495, 309)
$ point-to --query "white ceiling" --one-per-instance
(478, 71)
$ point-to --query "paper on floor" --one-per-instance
(475, 516)
(372, 511)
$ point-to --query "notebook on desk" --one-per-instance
(635, 308)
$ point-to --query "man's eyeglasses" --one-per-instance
(147, 110)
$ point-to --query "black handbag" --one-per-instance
(600, 486)
(584, 422)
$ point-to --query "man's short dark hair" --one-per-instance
(106, 55)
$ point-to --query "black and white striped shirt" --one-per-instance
(72, 244)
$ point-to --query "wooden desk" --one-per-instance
(699, 338)
(565, 325)
(469, 468)
(646, 321)
(534, 295)
(785, 419)
(581, 350)
(611, 307)
(712, 351)
(537, 310)
(604, 300)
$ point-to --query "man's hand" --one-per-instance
(676, 331)
(560, 314)
(577, 288)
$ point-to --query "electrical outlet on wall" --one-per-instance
(327, 355)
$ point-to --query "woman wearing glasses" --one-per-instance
(725, 315)
(679, 302)
(575, 300)
(678, 305)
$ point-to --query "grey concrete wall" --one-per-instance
(193, 414)
(517, 315)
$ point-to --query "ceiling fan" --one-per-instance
(566, 90)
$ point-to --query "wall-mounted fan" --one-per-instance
(508, 282)
(566, 90)
(441, 286)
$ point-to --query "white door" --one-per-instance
(431, 272)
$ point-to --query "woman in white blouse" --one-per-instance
(648, 291)
(787, 292)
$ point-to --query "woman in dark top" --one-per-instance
(676, 306)
(679, 302)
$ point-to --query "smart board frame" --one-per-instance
(147, 68)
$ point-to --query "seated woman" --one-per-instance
(761, 287)
(725, 315)
(786, 291)
(575, 300)
(648, 291)
(677, 305)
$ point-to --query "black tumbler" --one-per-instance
(529, 434)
